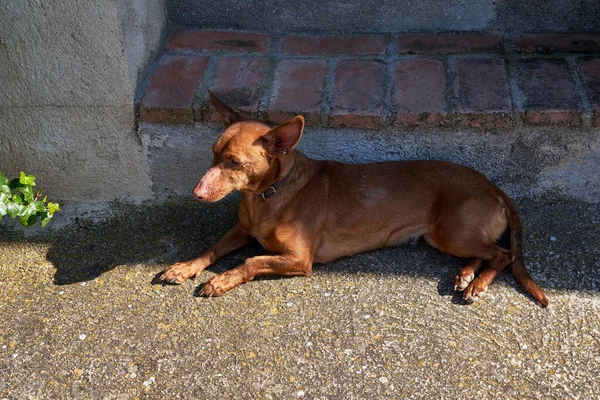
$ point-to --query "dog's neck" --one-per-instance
(279, 177)
(283, 177)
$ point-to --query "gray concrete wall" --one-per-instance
(68, 72)
(395, 16)
(144, 29)
(524, 162)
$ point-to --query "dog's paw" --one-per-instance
(178, 273)
(220, 284)
(462, 281)
(474, 292)
(215, 287)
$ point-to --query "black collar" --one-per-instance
(272, 190)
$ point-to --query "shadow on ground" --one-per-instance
(561, 241)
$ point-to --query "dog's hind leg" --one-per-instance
(469, 229)
(478, 286)
(467, 274)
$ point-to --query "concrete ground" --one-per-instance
(82, 316)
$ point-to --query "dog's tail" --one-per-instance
(517, 267)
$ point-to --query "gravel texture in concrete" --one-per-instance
(82, 316)
(387, 15)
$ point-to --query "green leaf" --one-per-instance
(46, 220)
(4, 189)
(27, 193)
(28, 180)
(14, 183)
(34, 208)
(17, 198)
(28, 220)
(13, 209)
(38, 206)
(53, 207)
(25, 211)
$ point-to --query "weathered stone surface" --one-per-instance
(77, 154)
(338, 16)
(81, 317)
(69, 75)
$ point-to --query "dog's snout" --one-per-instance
(203, 190)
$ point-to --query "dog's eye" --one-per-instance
(235, 163)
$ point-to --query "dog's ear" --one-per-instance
(283, 138)
(227, 114)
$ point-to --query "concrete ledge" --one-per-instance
(390, 16)
(377, 81)
(525, 162)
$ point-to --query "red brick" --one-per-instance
(425, 120)
(568, 118)
(590, 74)
(333, 45)
(547, 43)
(358, 94)
(548, 94)
(481, 92)
(172, 89)
(449, 44)
(297, 89)
(419, 87)
(237, 82)
(219, 41)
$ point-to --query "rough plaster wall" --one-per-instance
(63, 53)
(76, 153)
(67, 100)
(144, 28)
(524, 162)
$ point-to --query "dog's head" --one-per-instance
(245, 154)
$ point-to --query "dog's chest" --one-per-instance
(260, 227)
(265, 234)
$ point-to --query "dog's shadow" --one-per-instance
(167, 232)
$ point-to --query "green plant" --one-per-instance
(18, 199)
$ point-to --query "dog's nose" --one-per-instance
(203, 191)
(199, 193)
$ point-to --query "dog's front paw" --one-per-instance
(179, 273)
(211, 289)
(219, 285)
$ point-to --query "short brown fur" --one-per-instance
(325, 210)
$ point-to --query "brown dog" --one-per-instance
(305, 211)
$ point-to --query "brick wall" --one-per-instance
(373, 81)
